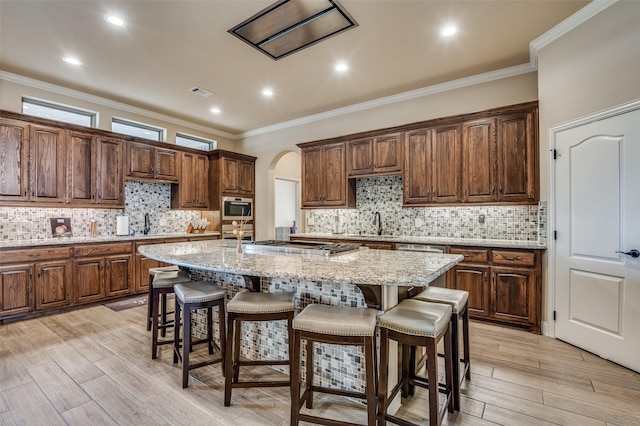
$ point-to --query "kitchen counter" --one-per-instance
(363, 266)
(100, 239)
(480, 242)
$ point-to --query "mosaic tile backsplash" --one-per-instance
(384, 195)
(24, 223)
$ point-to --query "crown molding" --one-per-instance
(578, 18)
(400, 97)
(76, 94)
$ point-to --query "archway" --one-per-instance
(285, 168)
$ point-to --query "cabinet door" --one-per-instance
(360, 157)
(446, 165)
(47, 164)
(187, 184)
(53, 284)
(246, 179)
(110, 173)
(517, 163)
(475, 281)
(417, 182)
(140, 160)
(312, 177)
(14, 160)
(335, 177)
(81, 169)
(230, 167)
(118, 275)
(166, 166)
(479, 161)
(89, 282)
(201, 180)
(387, 154)
(143, 264)
(513, 295)
(15, 290)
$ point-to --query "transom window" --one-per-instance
(59, 112)
(196, 142)
(140, 130)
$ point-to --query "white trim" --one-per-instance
(551, 246)
(400, 97)
(76, 94)
(578, 18)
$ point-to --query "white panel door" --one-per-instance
(597, 216)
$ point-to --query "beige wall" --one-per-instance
(269, 146)
(11, 94)
(592, 68)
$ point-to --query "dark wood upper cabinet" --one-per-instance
(230, 174)
(479, 168)
(14, 160)
(380, 155)
(417, 183)
(324, 177)
(446, 168)
(47, 160)
(148, 162)
(81, 168)
(110, 177)
(518, 157)
(192, 191)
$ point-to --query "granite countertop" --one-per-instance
(363, 266)
(99, 239)
(519, 244)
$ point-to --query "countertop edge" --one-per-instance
(25, 244)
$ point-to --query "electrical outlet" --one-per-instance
(482, 220)
(418, 222)
(310, 221)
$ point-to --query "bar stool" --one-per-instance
(457, 299)
(253, 306)
(162, 284)
(152, 274)
(416, 323)
(337, 325)
(190, 296)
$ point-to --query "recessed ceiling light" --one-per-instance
(341, 67)
(72, 61)
(448, 31)
(267, 93)
(114, 20)
(215, 110)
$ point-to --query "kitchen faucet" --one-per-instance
(147, 224)
(377, 219)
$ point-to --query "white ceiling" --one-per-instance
(168, 47)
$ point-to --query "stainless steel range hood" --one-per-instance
(298, 247)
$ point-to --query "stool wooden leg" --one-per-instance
(369, 351)
(163, 313)
(149, 295)
(228, 361)
(465, 340)
(154, 320)
(408, 365)
(186, 326)
(309, 382)
(449, 367)
(455, 354)
(210, 330)
(176, 334)
(236, 351)
(294, 371)
(223, 336)
(432, 376)
(383, 378)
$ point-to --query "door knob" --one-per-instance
(633, 253)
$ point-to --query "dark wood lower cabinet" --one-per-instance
(118, 275)
(474, 280)
(53, 284)
(15, 290)
(89, 285)
(513, 297)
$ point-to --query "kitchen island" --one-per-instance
(363, 277)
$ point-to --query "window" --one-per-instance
(138, 130)
(196, 142)
(59, 112)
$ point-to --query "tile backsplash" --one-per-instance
(384, 195)
(24, 223)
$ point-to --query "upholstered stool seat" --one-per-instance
(457, 299)
(254, 306)
(161, 285)
(152, 274)
(416, 323)
(338, 325)
(190, 296)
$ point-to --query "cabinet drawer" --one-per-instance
(102, 249)
(147, 242)
(471, 255)
(33, 255)
(501, 257)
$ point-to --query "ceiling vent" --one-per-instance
(201, 92)
(291, 25)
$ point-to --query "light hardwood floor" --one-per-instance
(93, 366)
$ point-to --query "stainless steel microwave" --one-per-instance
(236, 208)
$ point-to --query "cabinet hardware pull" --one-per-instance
(510, 258)
(34, 255)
